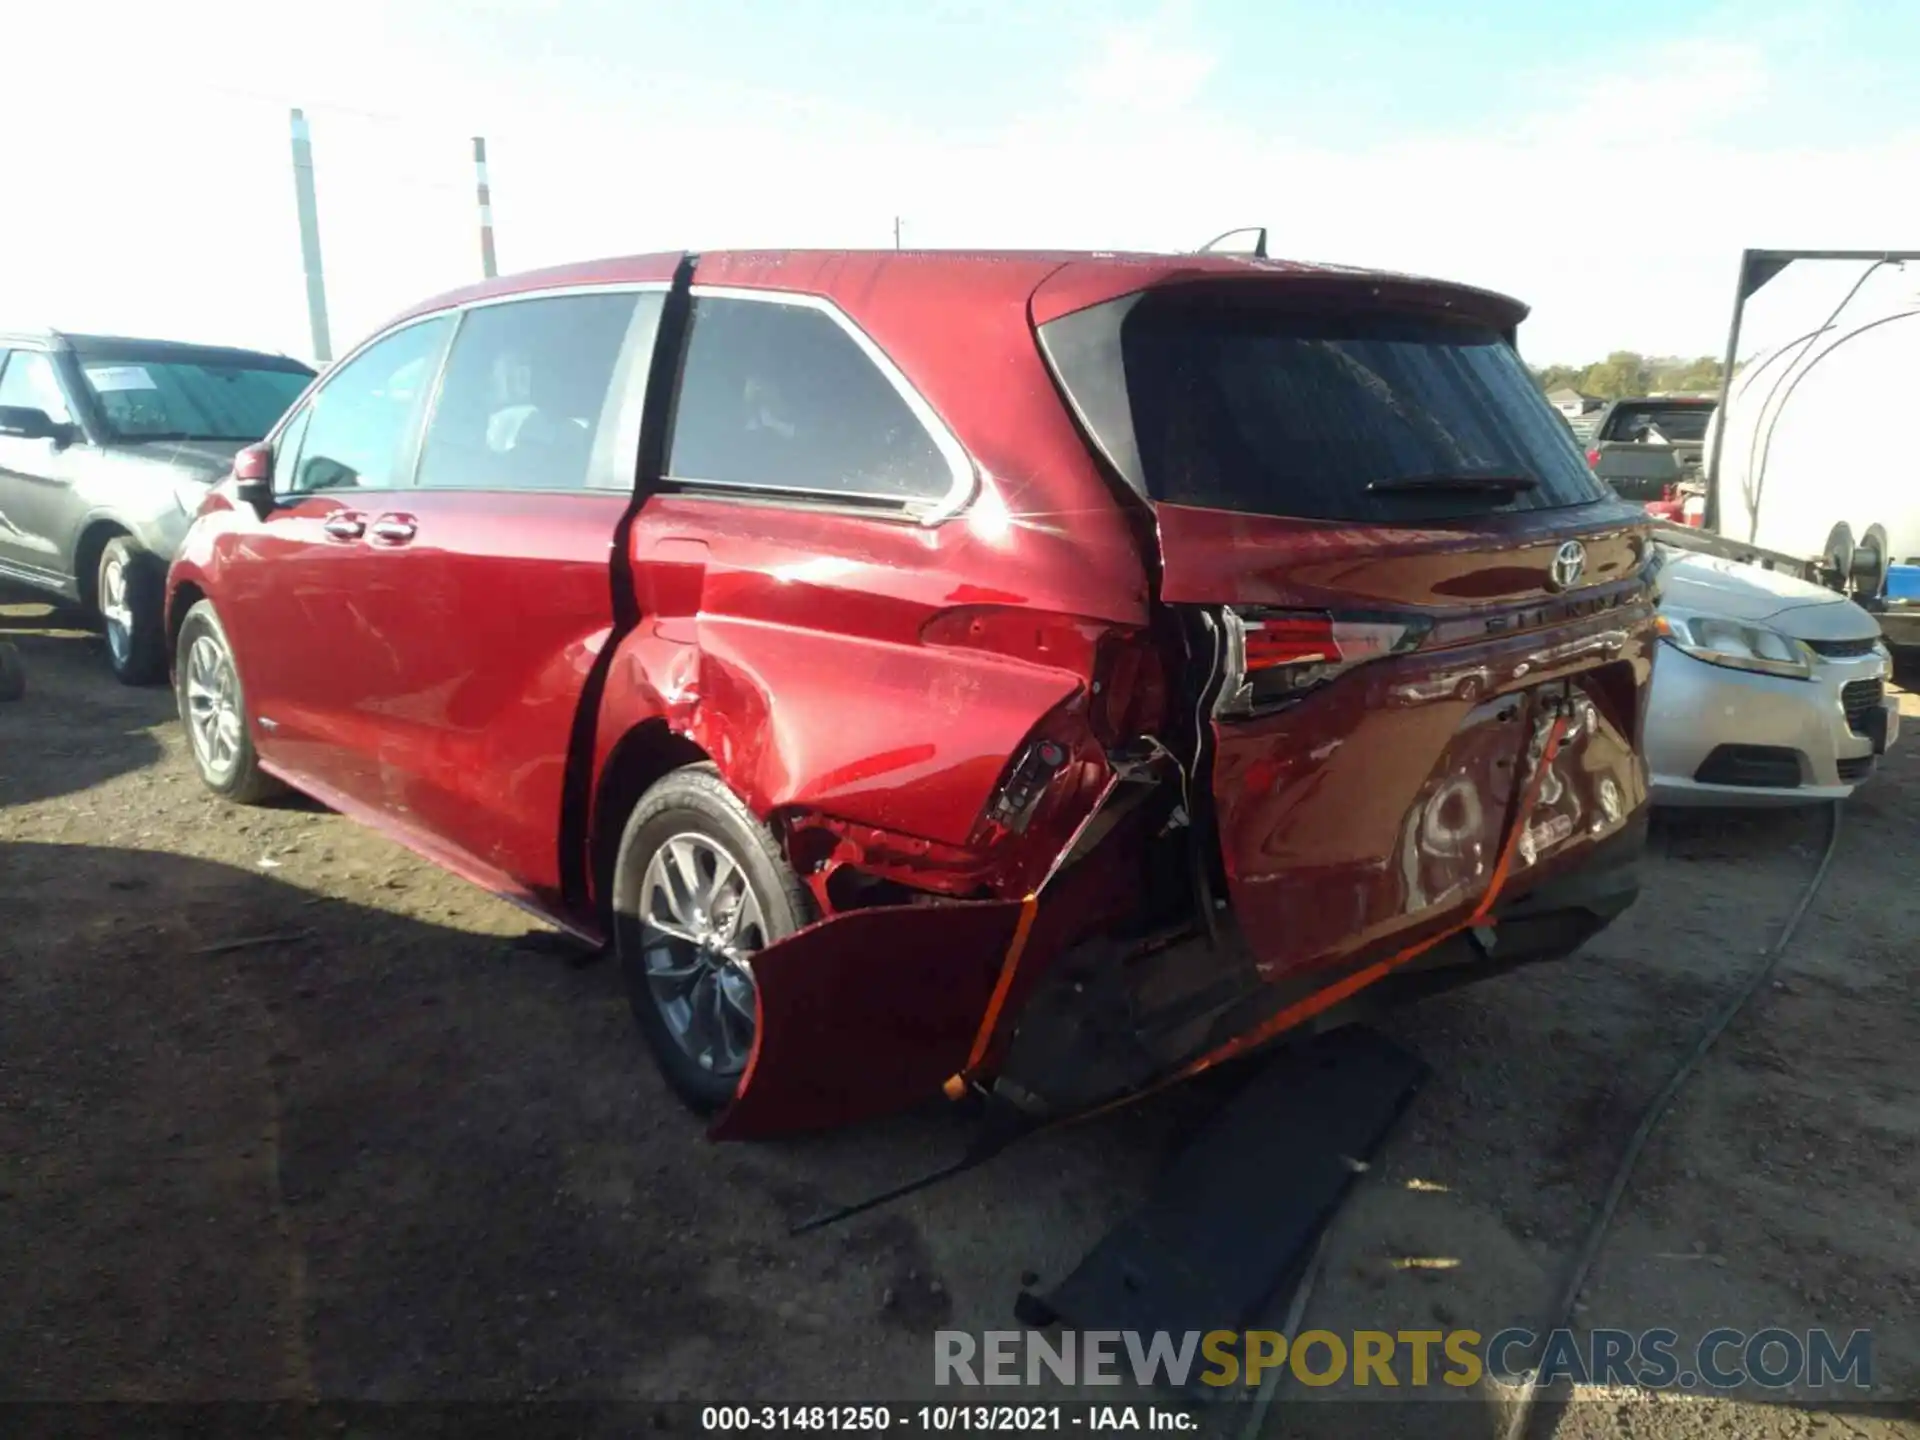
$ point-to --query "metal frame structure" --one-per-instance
(1757, 267)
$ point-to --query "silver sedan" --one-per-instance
(1767, 690)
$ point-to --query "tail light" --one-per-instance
(1593, 458)
(1694, 511)
(1272, 656)
(1013, 804)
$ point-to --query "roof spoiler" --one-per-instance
(1259, 232)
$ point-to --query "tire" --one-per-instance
(206, 686)
(129, 597)
(694, 1002)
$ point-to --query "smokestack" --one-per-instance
(487, 266)
(310, 239)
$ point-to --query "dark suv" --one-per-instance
(107, 447)
(1042, 675)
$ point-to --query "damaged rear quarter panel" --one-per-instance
(787, 644)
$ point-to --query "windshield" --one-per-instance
(188, 399)
(1369, 416)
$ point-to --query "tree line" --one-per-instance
(1626, 372)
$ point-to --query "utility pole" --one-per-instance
(896, 232)
(310, 239)
(487, 266)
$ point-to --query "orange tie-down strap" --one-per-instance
(1313, 1004)
(990, 1021)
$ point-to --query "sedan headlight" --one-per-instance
(1737, 644)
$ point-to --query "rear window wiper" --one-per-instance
(1464, 484)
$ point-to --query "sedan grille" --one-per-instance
(1860, 698)
(1843, 649)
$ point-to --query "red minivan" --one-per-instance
(1038, 675)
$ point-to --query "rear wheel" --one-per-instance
(700, 886)
(128, 592)
(213, 708)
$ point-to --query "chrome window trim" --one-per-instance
(489, 302)
(561, 292)
(458, 314)
(959, 494)
(320, 382)
(927, 512)
(335, 366)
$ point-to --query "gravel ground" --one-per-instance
(404, 1144)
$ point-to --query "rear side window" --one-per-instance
(1659, 424)
(361, 426)
(1362, 416)
(779, 396)
(526, 385)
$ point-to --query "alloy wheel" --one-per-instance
(700, 924)
(117, 610)
(213, 707)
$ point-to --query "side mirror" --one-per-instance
(23, 422)
(253, 475)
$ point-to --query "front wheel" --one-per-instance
(213, 708)
(699, 887)
(129, 593)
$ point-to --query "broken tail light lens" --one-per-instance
(1272, 656)
(1013, 804)
(1289, 640)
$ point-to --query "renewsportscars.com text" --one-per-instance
(1723, 1359)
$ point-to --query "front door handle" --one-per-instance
(394, 529)
(345, 525)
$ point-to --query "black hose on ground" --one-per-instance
(1290, 1326)
(1603, 1220)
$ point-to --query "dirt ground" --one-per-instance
(406, 1145)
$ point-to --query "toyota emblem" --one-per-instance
(1569, 562)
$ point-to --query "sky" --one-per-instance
(1604, 164)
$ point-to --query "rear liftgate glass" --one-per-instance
(1394, 569)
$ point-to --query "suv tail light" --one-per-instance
(1272, 656)
(1593, 458)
